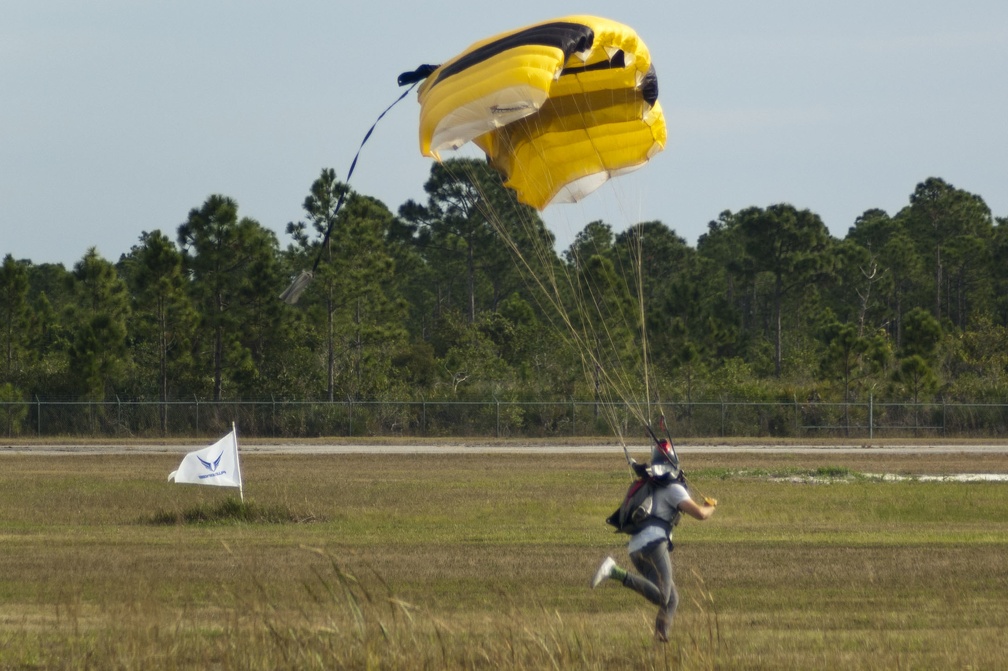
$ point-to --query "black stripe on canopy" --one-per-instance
(568, 37)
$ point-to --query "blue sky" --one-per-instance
(119, 116)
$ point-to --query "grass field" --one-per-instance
(483, 561)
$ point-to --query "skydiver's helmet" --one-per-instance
(664, 461)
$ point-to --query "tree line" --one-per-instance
(430, 302)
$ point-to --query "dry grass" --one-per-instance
(477, 561)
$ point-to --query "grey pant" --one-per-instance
(655, 582)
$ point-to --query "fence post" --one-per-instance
(871, 416)
(573, 416)
(38, 415)
(497, 404)
(722, 416)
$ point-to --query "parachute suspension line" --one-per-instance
(301, 282)
(589, 292)
(576, 327)
(613, 381)
(637, 245)
(591, 338)
(632, 277)
(635, 250)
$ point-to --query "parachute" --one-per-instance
(558, 107)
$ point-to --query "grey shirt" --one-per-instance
(664, 515)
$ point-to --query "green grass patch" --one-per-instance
(826, 472)
(230, 511)
(835, 472)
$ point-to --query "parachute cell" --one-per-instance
(558, 107)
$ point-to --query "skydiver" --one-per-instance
(651, 547)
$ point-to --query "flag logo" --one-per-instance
(210, 466)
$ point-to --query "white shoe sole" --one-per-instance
(603, 572)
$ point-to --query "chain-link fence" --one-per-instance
(494, 418)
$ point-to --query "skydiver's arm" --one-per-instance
(696, 510)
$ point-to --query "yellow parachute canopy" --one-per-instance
(559, 107)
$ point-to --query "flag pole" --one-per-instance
(241, 488)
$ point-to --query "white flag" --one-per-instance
(214, 465)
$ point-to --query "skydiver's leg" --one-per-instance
(655, 583)
(654, 577)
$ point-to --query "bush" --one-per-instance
(13, 410)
